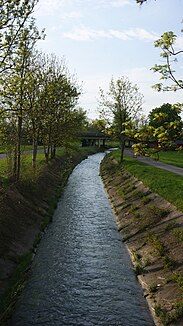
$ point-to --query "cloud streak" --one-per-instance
(121, 3)
(50, 7)
(88, 34)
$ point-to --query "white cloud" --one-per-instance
(71, 15)
(141, 34)
(118, 34)
(49, 7)
(121, 3)
(85, 34)
(179, 43)
(134, 33)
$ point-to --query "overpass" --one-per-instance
(93, 138)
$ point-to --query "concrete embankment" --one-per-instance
(26, 209)
(152, 230)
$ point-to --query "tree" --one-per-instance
(164, 127)
(167, 44)
(58, 98)
(14, 14)
(164, 115)
(121, 104)
(15, 82)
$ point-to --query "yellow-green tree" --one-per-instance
(160, 133)
(119, 105)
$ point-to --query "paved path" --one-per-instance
(40, 150)
(157, 164)
(146, 160)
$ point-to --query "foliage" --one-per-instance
(165, 114)
(169, 317)
(167, 44)
(38, 96)
(164, 127)
(119, 105)
(15, 83)
(14, 15)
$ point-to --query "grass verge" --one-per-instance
(172, 157)
(167, 184)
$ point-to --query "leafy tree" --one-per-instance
(15, 82)
(58, 98)
(97, 124)
(164, 127)
(33, 114)
(73, 127)
(167, 44)
(119, 105)
(14, 14)
(164, 115)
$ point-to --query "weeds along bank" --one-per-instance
(26, 209)
(152, 229)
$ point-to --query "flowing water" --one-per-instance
(82, 274)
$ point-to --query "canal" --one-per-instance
(82, 274)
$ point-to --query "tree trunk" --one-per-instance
(34, 144)
(53, 151)
(34, 152)
(19, 146)
(122, 146)
(15, 163)
(46, 152)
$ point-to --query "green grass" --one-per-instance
(3, 148)
(26, 166)
(112, 143)
(27, 172)
(165, 183)
(172, 157)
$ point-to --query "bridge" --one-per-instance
(93, 138)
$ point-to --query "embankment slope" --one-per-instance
(152, 230)
(26, 209)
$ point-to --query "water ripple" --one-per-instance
(82, 274)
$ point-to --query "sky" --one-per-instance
(101, 39)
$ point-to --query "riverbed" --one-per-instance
(82, 274)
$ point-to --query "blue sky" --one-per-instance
(104, 38)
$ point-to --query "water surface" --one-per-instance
(82, 274)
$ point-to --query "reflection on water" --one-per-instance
(82, 274)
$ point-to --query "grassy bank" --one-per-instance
(172, 157)
(166, 184)
(152, 230)
(26, 209)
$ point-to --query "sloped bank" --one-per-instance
(152, 229)
(26, 209)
